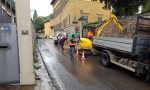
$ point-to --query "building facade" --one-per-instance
(7, 11)
(48, 29)
(70, 15)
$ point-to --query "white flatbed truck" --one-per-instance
(129, 53)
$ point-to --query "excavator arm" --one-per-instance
(100, 28)
(112, 18)
(118, 24)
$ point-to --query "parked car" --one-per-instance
(39, 37)
(55, 40)
(51, 37)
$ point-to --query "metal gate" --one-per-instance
(9, 58)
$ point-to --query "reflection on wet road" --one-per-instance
(78, 74)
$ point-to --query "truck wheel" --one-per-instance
(105, 59)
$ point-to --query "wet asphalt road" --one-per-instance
(86, 75)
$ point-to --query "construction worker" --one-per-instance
(62, 41)
(72, 46)
(90, 34)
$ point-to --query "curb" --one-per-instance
(54, 84)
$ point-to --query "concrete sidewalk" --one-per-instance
(44, 81)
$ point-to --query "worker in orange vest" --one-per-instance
(90, 34)
(72, 46)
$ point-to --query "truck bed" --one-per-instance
(122, 44)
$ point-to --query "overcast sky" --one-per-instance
(43, 7)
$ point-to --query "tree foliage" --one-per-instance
(40, 20)
(51, 16)
(39, 23)
(123, 7)
(35, 15)
(146, 7)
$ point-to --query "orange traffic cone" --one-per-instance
(83, 63)
(77, 58)
(83, 56)
(65, 51)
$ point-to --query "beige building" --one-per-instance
(69, 13)
(47, 29)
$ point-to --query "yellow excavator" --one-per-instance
(86, 42)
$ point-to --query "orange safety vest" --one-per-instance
(71, 43)
(90, 34)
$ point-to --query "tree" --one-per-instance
(123, 7)
(47, 18)
(51, 16)
(146, 7)
(39, 23)
(35, 15)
